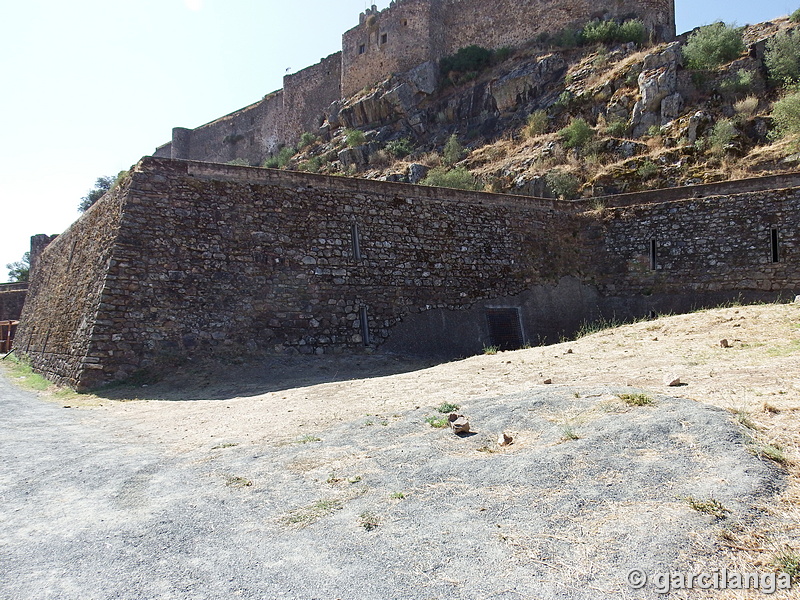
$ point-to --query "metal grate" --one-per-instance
(505, 328)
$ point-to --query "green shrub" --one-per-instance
(632, 30)
(471, 58)
(564, 185)
(576, 134)
(238, 162)
(307, 139)
(355, 137)
(458, 178)
(647, 169)
(782, 56)
(453, 151)
(723, 133)
(786, 114)
(281, 159)
(600, 32)
(537, 123)
(739, 83)
(795, 16)
(568, 38)
(400, 148)
(713, 45)
(312, 165)
(617, 128)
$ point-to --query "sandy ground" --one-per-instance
(327, 422)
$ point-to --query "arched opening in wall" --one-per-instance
(505, 328)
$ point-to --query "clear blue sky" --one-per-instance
(90, 86)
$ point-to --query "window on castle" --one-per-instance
(405, 22)
(362, 48)
(774, 247)
(384, 38)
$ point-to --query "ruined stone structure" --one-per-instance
(12, 298)
(398, 39)
(188, 259)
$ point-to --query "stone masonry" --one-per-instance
(407, 34)
(188, 259)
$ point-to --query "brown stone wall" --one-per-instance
(63, 307)
(200, 259)
(12, 298)
(409, 41)
(307, 94)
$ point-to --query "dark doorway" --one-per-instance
(505, 328)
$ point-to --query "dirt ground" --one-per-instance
(326, 423)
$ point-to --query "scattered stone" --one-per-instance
(458, 423)
(569, 351)
(724, 344)
(797, 299)
(504, 439)
(547, 382)
(672, 381)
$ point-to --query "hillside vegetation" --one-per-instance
(586, 113)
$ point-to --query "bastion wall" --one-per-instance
(197, 259)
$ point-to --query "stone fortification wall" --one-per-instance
(12, 298)
(308, 93)
(393, 40)
(411, 32)
(204, 259)
(63, 307)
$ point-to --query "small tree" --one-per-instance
(782, 56)
(537, 123)
(565, 185)
(20, 270)
(576, 134)
(721, 136)
(795, 16)
(400, 148)
(453, 151)
(101, 186)
(713, 45)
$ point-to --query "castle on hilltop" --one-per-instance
(396, 40)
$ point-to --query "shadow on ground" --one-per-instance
(214, 381)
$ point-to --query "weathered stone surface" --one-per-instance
(526, 83)
(12, 298)
(657, 81)
(190, 259)
(417, 172)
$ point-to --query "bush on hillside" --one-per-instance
(453, 151)
(782, 57)
(608, 32)
(400, 148)
(576, 134)
(537, 123)
(458, 178)
(307, 139)
(795, 16)
(739, 83)
(563, 184)
(713, 45)
(355, 137)
(281, 159)
(786, 114)
(468, 62)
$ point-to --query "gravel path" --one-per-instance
(380, 507)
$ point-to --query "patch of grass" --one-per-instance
(237, 482)
(788, 350)
(369, 520)
(220, 446)
(458, 178)
(491, 350)
(770, 452)
(447, 407)
(23, 375)
(576, 134)
(635, 399)
(436, 422)
(355, 479)
(788, 562)
(601, 324)
(617, 128)
(568, 433)
(397, 496)
(710, 507)
(306, 439)
(400, 148)
(743, 418)
(309, 514)
(746, 107)
(647, 169)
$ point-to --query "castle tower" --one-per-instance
(411, 32)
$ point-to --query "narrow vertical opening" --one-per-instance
(384, 38)
(653, 255)
(364, 325)
(355, 238)
(774, 247)
(362, 48)
(505, 328)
